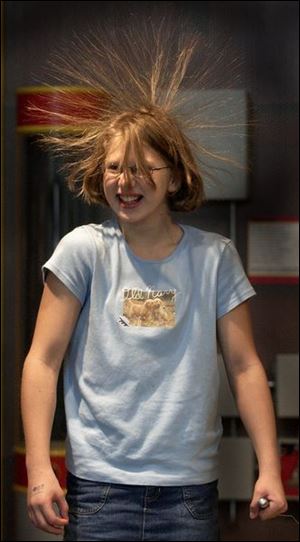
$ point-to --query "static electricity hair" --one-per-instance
(131, 87)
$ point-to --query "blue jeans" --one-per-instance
(102, 511)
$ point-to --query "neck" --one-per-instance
(152, 240)
(147, 231)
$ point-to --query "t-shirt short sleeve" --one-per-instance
(71, 262)
(233, 284)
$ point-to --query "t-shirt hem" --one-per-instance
(142, 480)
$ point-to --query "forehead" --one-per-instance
(116, 150)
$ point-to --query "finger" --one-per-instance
(254, 507)
(52, 517)
(253, 511)
(275, 508)
(269, 513)
(39, 521)
(259, 503)
(63, 507)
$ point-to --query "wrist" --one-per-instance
(35, 466)
(270, 469)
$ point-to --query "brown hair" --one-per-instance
(155, 129)
(130, 84)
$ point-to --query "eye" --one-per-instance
(112, 167)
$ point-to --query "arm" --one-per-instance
(250, 387)
(56, 319)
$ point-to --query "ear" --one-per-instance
(174, 185)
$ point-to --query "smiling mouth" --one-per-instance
(129, 200)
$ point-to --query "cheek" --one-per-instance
(108, 188)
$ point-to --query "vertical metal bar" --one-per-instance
(233, 423)
(55, 212)
(233, 221)
(232, 511)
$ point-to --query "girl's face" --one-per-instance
(134, 199)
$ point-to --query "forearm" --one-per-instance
(250, 386)
(38, 403)
(256, 410)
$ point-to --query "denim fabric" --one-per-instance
(103, 511)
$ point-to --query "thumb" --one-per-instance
(254, 508)
(63, 507)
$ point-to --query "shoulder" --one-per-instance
(207, 240)
(86, 237)
(75, 243)
(80, 235)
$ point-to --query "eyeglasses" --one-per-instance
(113, 171)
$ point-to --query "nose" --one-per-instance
(126, 180)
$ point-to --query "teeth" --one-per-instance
(129, 199)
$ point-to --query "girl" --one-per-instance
(136, 307)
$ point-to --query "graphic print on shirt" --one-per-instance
(148, 308)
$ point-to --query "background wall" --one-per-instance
(265, 35)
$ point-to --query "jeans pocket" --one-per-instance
(86, 497)
(201, 500)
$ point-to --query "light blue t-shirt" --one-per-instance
(141, 378)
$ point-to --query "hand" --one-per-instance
(47, 506)
(272, 490)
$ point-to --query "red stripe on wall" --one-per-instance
(57, 461)
(57, 108)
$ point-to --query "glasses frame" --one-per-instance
(119, 172)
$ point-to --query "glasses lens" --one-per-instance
(114, 171)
